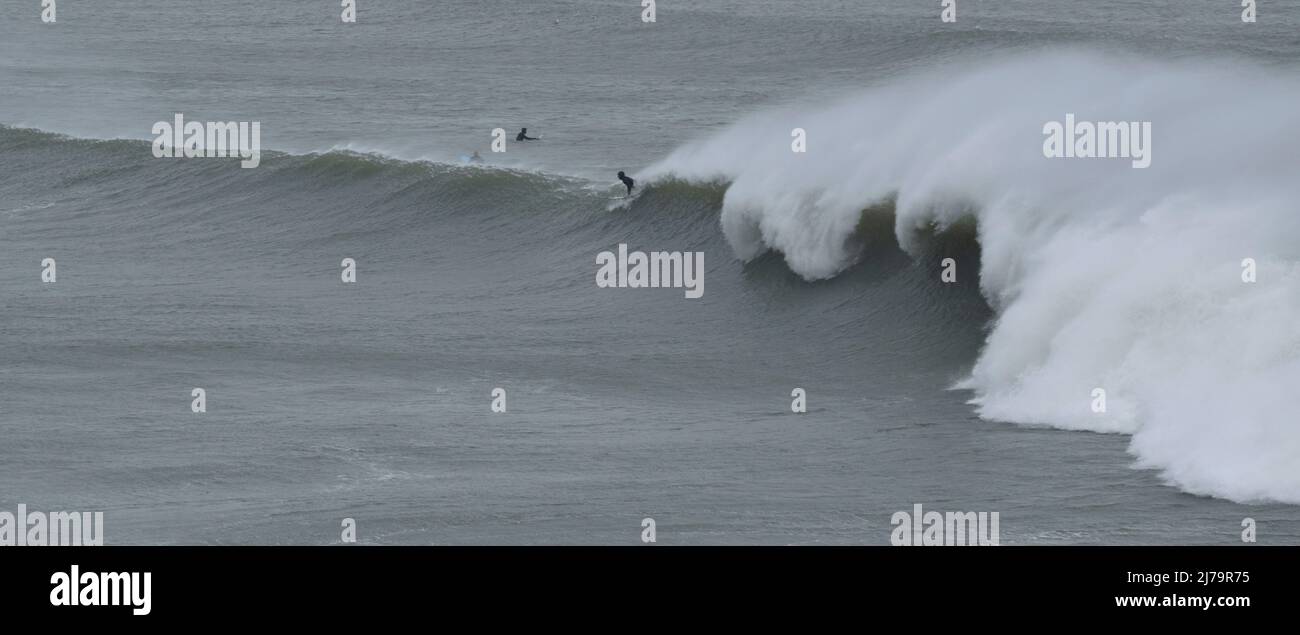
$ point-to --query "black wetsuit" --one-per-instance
(627, 180)
(523, 137)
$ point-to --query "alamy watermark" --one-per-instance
(53, 529)
(658, 269)
(1098, 140)
(181, 139)
(935, 529)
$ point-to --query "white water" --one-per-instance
(1103, 276)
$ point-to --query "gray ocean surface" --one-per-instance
(371, 400)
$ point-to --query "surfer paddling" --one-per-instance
(523, 136)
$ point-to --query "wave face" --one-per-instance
(1102, 276)
(382, 206)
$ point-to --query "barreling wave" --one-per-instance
(1101, 275)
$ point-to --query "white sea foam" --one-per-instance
(1103, 276)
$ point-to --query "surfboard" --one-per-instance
(622, 202)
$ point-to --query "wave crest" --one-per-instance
(1103, 276)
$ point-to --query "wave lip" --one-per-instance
(1102, 276)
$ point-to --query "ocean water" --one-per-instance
(371, 400)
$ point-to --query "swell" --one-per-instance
(396, 193)
(113, 200)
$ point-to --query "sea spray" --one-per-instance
(1103, 276)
